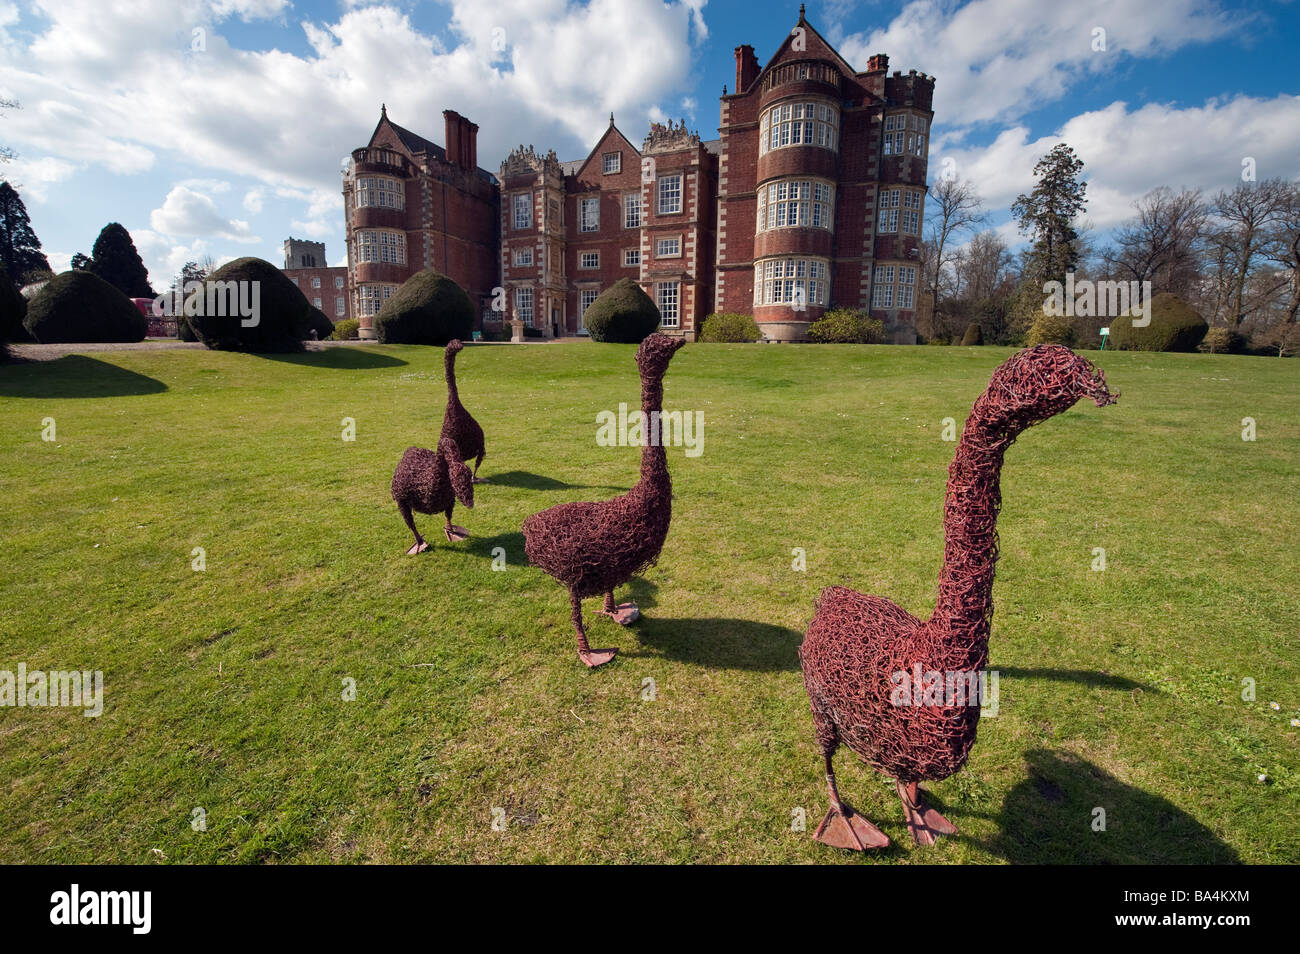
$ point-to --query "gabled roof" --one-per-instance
(416, 145)
(573, 167)
(789, 39)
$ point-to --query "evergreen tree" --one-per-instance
(80, 262)
(1047, 214)
(20, 249)
(115, 260)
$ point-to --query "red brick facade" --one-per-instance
(812, 198)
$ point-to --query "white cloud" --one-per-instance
(999, 59)
(188, 213)
(115, 83)
(33, 177)
(1128, 152)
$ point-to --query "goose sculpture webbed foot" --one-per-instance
(922, 821)
(843, 827)
(419, 546)
(625, 614)
(454, 533)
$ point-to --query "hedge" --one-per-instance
(847, 326)
(730, 327)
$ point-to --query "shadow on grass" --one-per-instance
(529, 481)
(340, 359)
(722, 643)
(1097, 680)
(1048, 818)
(74, 376)
(512, 542)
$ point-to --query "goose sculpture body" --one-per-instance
(862, 655)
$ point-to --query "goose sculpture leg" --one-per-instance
(922, 820)
(420, 545)
(454, 533)
(591, 658)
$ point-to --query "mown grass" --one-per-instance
(1119, 689)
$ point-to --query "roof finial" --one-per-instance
(801, 11)
(611, 117)
(383, 109)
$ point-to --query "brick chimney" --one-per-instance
(452, 123)
(746, 67)
(879, 63)
(470, 139)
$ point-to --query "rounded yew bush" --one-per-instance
(282, 313)
(1175, 326)
(78, 307)
(623, 312)
(429, 308)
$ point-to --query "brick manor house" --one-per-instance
(812, 197)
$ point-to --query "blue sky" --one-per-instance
(225, 141)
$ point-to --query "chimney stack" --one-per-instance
(746, 67)
(452, 125)
(879, 63)
(471, 142)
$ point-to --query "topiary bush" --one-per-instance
(429, 309)
(78, 307)
(1175, 326)
(1222, 340)
(283, 312)
(847, 326)
(345, 330)
(13, 309)
(622, 312)
(973, 336)
(1051, 329)
(729, 327)
(183, 330)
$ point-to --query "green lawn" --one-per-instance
(1119, 689)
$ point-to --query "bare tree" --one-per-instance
(1285, 247)
(1246, 222)
(955, 207)
(1161, 243)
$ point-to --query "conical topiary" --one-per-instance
(623, 312)
(429, 308)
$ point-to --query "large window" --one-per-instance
(375, 245)
(524, 306)
(905, 134)
(631, 256)
(380, 192)
(585, 297)
(338, 281)
(911, 218)
(523, 256)
(589, 260)
(522, 204)
(893, 286)
(800, 203)
(896, 201)
(667, 296)
(799, 124)
(632, 211)
(793, 281)
(611, 162)
(670, 195)
(340, 306)
(589, 214)
(370, 298)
